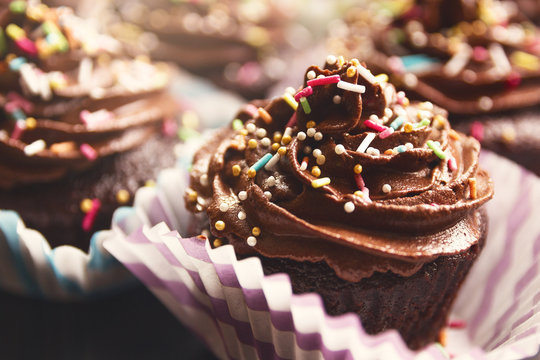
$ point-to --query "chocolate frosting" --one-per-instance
(468, 56)
(73, 90)
(407, 206)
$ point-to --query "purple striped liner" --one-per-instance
(240, 313)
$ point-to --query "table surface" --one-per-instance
(132, 324)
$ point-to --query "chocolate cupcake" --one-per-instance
(472, 58)
(357, 194)
(81, 126)
(237, 45)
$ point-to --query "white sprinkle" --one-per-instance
(409, 146)
(339, 149)
(44, 87)
(499, 58)
(485, 103)
(287, 132)
(410, 80)
(266, 142)
(204, 179)
(242, 215)
(372, 151)
(29, 77)
(290, 90)
(317, 152)
(374, 117)
(242, 195)
(336, 99)
(458, 61)
(311, 75)
(419, 39)
(201, 201)
(251, 128)
(321, 160)
(318, 136)
(320, 76)
(365, 143)
(366, 74)
(85, 72)
(3, 135)
(303, 165)
(205, 233)
(388, 112)
(261, 132)
(272, 162)
(351, 87)
(251, 241)
(426, 105)
(301, 136)
(311, 132)
(331, 59)
(349, 207)
(270, 181)
(199, 208)
(386, 188)
(35, 147)
(223, 207)
(268, 194)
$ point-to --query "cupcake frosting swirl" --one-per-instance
(350, 173)
(69, 97)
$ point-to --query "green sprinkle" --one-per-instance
(436, 149)
(17, 7)
(237, 124)
(185, 133)
(305, 105)
(424, 122)
(3, 46)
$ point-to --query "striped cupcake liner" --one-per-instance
(242, 314)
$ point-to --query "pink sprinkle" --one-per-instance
(452, 165)
(434, 204)
(292, 121)
(480, 53)
(360, 181)
(386, 133)
(251, 109)
(97, 118)
(334, 79)
(90, 217)
(305, 92)
(27, 46)
(373, 125)
(89, 152)
(169, 127)
(395, 64)
(365, 190)
(457, 324)
(11, 106)
(513, 80)
(20, 125)
(20, 101)
(477, 130)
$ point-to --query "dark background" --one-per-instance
(132, 324)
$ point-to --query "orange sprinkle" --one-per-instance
(472, 188)
(267, 118)
(443, 337)
(454, 135)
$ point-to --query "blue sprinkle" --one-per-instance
(15, 64)
(262, 161)
(396, 124)
(418, 62)
(401, 148)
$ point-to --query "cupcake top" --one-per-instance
(68, 96)
(343, 170)
(468, 56)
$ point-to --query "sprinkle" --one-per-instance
(318, 136)
(386, 133)
(499, 58)
(386, 188)
(333, 79)
(316, 171)
(96, 119)
(192, 195)
(267, 118)
(457, 324)
(204, 179)
(252, 143)
(304, 164)
(381, 78)
(256, 231)
(388, 152)
(373, 151)
(152, 183)
(472, 188)
(331, 59)
(373, 125)
(301, 136)
(18, 7)
(251, 241)
(357, 169)
(289, 100)
(349, 207)
(339, 149)
(29, 77)
(261, 162)
(508, 134)
(436, 149)
(89, 152)
(236, 170)
(275, 146)
(408, 127)
(311, 75)
(85, 72)
(477, 130)
(410, 80)
(424, 122)
(237, 124)
(310, 124)
(35, 147)
(443, 338)
(365, 143)
(351, 71)
(458, 61)
(217, 243)
(219, 225)
(409, 146)
(311, 132)
(485, 103)
(317, 183)
(452, 165)
(86, 205)
(241, 215)
(277, 136)
(251, 173)
(271, 181)
(20, 126)
(336, 99)
(90, 217)
(251, 110)
(286, 139)
(272, 162)
(266, 142)
(251, 128)
(525, 60)
(122, 196)
(292, 121)
(290, 90)
(401, 148)
(351, 87)
(223, 207)
(317, 152)
(282, 150)
(340, 61)
(366, 74)
(305, 105)
(359, 181)
(321, 159)
(16, 63)
(305, 92)
(242, 195)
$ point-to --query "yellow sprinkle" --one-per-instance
(256, 231)
(251, 173)
(438, 121)
(122, 196)
(150, 183)
(355, 62)
(351, 71)
(310, 124)
(317, 183)
(282, 150)
(217, 243)
(357, 169)
(316, 171)
(275, 146)
(277, 137)
(236, 170)
(243, 132)
(340, 61)
(454, 135)
(61, 147)
(508, 135)
(359, 193)
(267, 118)
(31, 123)
(472, 188)
(192, 195)
(525, 60)
(86, 205)
(405, 102)
(252, 143)
(381, 78)
(220, 225)
(408, 127)
(286, 139)
(290, 100)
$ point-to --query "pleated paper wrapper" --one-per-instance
(242, 314)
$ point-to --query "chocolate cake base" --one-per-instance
(416, 306)
(54, 208)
